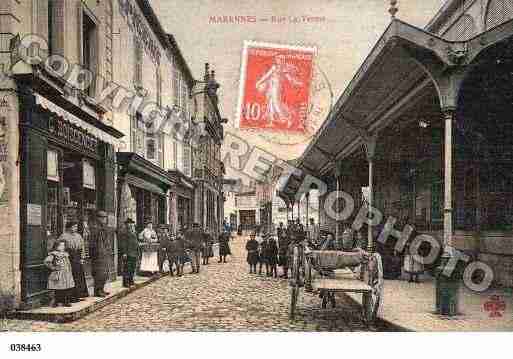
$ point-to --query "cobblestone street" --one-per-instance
(224, 297)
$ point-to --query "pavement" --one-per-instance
(411, 307)
(223, 297)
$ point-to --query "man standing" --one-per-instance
(175, 254)
(129, 250)
(313, 231)
(224, 246)
(207, 250)
(163, 236)
(194, 241)
(100, 249)
(283, 248)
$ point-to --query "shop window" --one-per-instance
(52, 209)
(186, 160)
(151, 150)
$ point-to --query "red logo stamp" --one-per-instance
(495, 306)
(275, 87)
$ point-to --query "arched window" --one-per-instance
(498, 11)
(462, 30)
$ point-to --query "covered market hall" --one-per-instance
(426, 125)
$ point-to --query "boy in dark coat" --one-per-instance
(224, 246)
(129, 250)
(262, 255)
(252, 248)
(272, 257)
(207, 250)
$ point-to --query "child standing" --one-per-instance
(60, 279)
(262, 256)
(272, 257)
(252, 258)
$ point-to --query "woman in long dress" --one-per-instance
(149, 259)
(75, 248)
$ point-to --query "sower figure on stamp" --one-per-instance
(129, 250)
(252, 258)
(194, 240)
(100, 250)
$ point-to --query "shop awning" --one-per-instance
(93, 130)
(142, 173)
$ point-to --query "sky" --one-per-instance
(344, 36)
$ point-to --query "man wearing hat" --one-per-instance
(194, 242)
(129, 251)
(100, 250)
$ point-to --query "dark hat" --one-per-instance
(164, 226)
(148, 220)
(195, 224)
(129, 220)
(101, 214)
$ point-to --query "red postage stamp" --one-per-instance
(275, 87)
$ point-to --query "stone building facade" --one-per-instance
(96, 113)
(208, 168)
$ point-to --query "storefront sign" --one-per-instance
(34, 214)
(138, 26)
(72, 134)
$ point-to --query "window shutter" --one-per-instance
(160, 150)
(138, 58)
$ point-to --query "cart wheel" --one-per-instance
(294, 292)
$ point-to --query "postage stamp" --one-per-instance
(275, 88)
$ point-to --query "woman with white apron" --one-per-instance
(150, 247)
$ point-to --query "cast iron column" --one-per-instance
(448, 116)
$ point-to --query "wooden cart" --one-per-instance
(325, 273)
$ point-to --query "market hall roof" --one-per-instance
(391, 80)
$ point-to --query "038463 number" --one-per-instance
(25, 347)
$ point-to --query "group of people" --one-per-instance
(146, 252)
(270, 254)
(66, 258)
(156, 247)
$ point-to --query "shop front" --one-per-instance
(67, 173)
(142, 190)
(181, 201)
